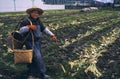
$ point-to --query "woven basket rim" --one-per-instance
(19, 50)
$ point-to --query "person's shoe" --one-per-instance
(45, 76)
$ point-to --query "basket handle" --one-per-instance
(25, 37)
(31, 33)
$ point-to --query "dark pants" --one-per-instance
(37, 57)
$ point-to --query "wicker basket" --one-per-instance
(22, 56)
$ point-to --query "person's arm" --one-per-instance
(48, 32)
(23, 29)
(44, 29)
(23, 26)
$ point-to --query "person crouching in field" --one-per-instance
(36, 28)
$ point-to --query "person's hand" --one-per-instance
(32, 27)
(54, 38)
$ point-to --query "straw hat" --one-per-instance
(30, 10)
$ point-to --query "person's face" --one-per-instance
(34, 14)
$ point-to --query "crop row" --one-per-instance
(69, 50)
(79, 37)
